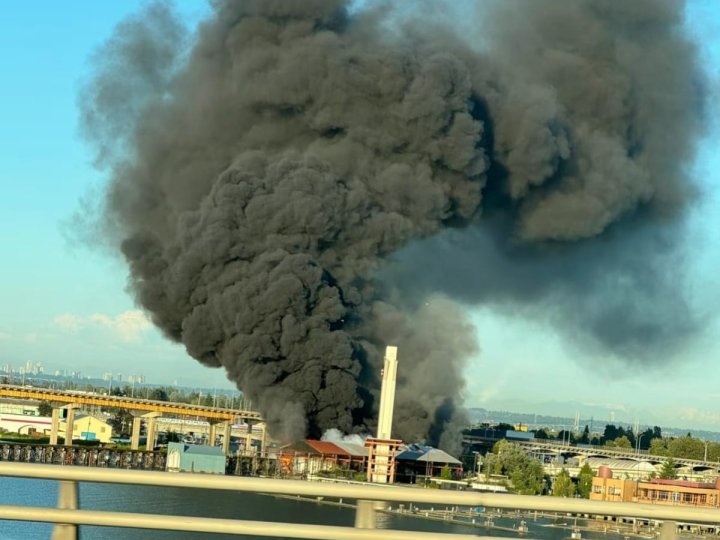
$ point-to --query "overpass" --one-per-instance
(542, 446)
(142, 409)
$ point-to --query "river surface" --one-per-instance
(221, 504)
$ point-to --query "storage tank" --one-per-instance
(605, 472)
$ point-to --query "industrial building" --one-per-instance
(195, 458)
(679, 492)
(654, 491)
(312, 457)
(87, 427)
(25, 424)
(416, 463)
(607, 488)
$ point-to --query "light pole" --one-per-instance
(477, 464)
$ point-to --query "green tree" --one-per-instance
(620, 442)
(687, 447)
(658, 447)
(541, 434)
(611, 433)
(446, 473)
(713, 451)
(563, 485)
(585, 477)
(528, 478)
(159, 394)
(44, 408)
(525, 473)
(648, 435)
(668, 470)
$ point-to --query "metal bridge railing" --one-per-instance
(68, 515)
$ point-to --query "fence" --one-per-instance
(67, 516)
(85, 456)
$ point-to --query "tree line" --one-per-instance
(612, 436)
(652, 440)
(526, 475)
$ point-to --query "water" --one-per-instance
(219, 504)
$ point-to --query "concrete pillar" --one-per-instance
(135, 438)
(248, 438)
(55, 426)
(69, 425)
(227, 429)
(212, 432)
(150, 444)
(138, 417)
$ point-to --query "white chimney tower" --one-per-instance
(382, 449)
(387, 394)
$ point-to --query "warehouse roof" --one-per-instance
(354, 449)
(621, 464)
(417, 452)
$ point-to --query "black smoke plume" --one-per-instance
(293, 188)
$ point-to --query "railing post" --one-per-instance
(67, 499)
(365, 515)
(668, 530)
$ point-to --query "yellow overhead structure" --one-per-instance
(122, 402)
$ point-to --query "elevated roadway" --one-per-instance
(147, 409)
(550, 447)
(123, 402)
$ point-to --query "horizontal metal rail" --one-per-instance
(362, 492)
(214, 525)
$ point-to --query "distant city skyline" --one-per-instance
(67, 307)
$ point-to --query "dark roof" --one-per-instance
(418, 452)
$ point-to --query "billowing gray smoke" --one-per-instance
(272, 184)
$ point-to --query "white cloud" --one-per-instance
(69, 322)
(699, 416)
(128, 325)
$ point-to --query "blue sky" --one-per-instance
(66, 306)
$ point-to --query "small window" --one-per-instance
(102, 429)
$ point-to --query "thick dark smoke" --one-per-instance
(280, 190)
